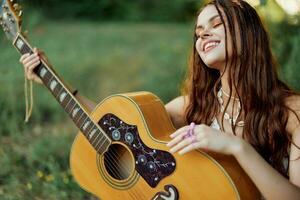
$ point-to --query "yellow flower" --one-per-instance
(66, 180)
(29, 186)
(39, 174)
(49, 178)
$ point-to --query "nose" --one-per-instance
(205, 34)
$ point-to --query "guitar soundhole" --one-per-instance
(119, 162)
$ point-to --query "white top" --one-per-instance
(215, 124)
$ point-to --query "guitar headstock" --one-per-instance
(10, 18)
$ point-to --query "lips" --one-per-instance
(210, 45)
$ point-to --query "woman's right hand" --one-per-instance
(29, 62)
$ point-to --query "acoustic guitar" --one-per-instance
(120, 151)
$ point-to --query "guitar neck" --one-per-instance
(96, 136)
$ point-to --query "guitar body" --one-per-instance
(196, 176)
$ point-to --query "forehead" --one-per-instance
(206, 14)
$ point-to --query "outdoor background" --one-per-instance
(103, 47)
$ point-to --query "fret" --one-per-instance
(81, 119)
(62, 95)
(43, 71)
(96, 138)
(91, 134)
(103, 146)
(71, 105)
(85, 125)
(76, 114)
(47, 78)
(57, 90)
(74, 111)
(100, 141)
(22, 46)
(50, 78)
(19, 44)
(61, 92)
(66, 100)
(86, 122)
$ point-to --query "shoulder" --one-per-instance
(293, 127)
(176, 109)
(293, 102)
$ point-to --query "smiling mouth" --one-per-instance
(210, 45)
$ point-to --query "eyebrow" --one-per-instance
(210, 19)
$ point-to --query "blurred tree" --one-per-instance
(133, 10)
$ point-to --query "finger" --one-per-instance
(29, 72)
(182, 144)
(188, 148)
(23, 57)
(30, 64)
(33, 65)
(37, 79)
(30, 58)
(179, 131)
(34, 78)
(193, 146)
(29, 76)
(176, 140)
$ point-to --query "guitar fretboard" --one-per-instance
(95, 135)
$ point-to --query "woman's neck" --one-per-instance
(225, 85)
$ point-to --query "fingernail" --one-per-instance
(168, 144)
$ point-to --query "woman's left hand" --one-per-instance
(206, 138)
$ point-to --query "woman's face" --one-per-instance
(210, 43)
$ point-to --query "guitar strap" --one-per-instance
(28, 102)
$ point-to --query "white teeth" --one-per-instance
(210, 44)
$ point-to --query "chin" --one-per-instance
(214, 63)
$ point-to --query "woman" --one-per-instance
(234, 101)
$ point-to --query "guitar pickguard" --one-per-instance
(152, 164)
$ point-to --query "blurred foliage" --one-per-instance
(120, 10)
(100, 59)
(284, 31)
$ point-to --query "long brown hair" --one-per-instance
(253, 77)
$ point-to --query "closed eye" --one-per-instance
(217, 24)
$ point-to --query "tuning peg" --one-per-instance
(5, 7)
(17, 7)
(11, 20)
(12, 1)
(25, 33)
(6, 30)
(20, 13)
